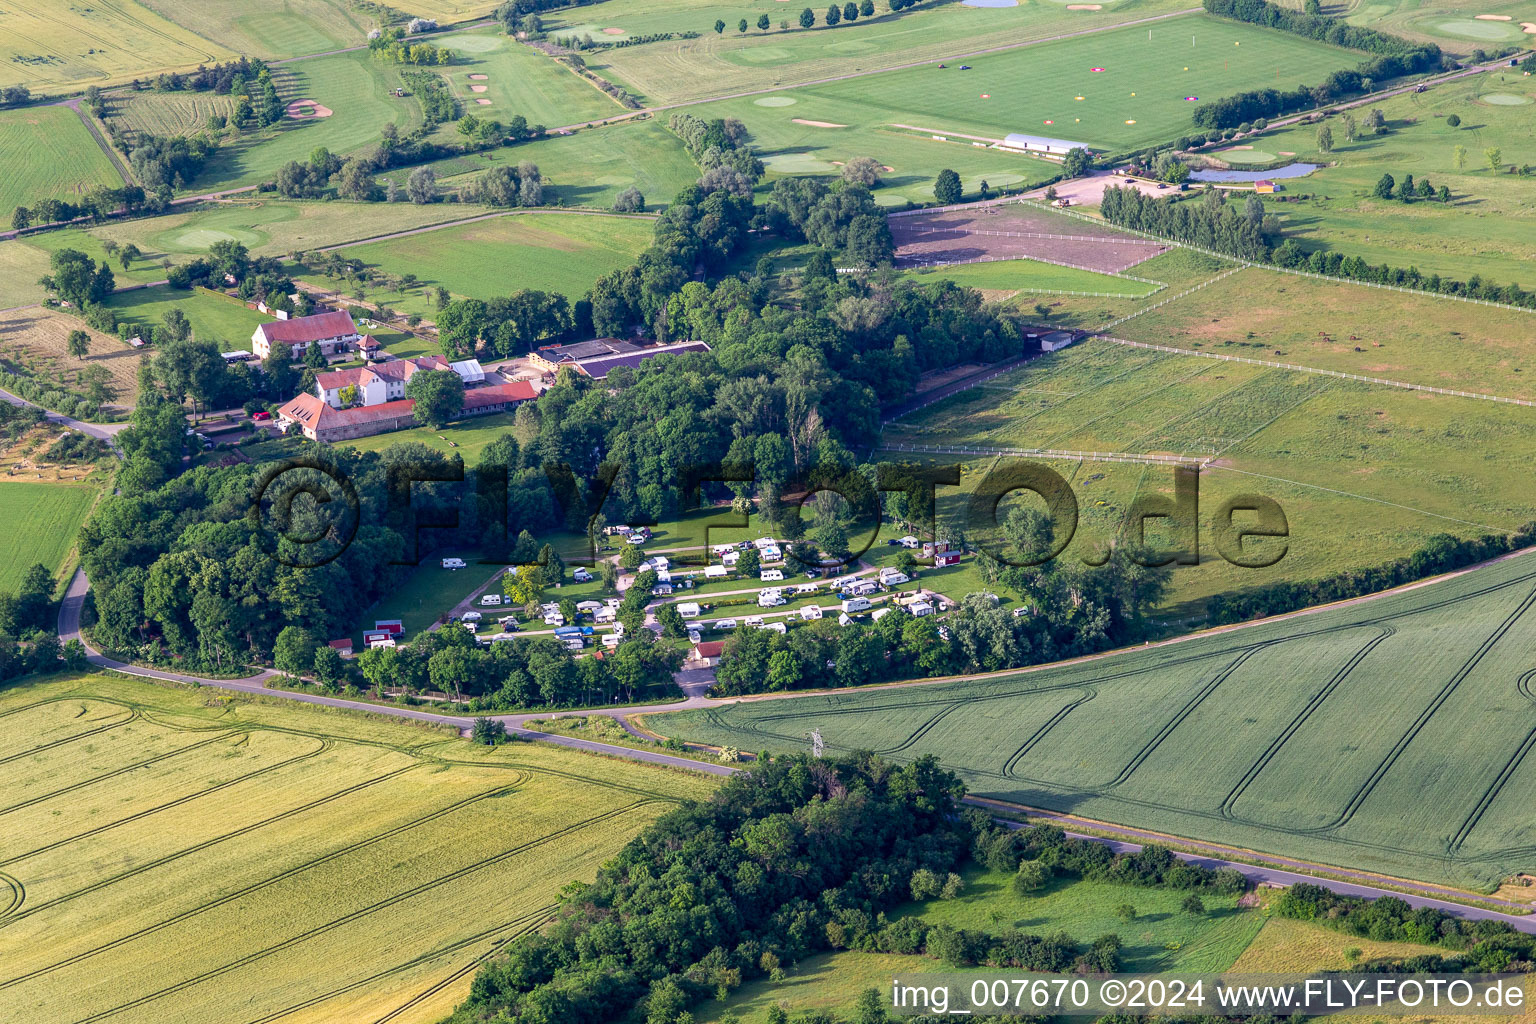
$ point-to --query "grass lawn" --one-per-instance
(57, 47)
(430, 592)
(1137, 99)
(214, 858)
(214, 317)
(1160, 939)
(713, 65)
(519, 80)
(590, 168)
(1481, 231)
(1283, 946)
(46, 153)
(43, 519)
(1453, 24)
(548, 251)
(468, 437)
(357, 88)
(1127, 738)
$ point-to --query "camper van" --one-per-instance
(490, 600)
(689, 611)
(770, 599)
(855, 604)
(453, 563)
(575, 643)
(471, 617)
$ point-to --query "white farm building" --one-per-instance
(1040, 144)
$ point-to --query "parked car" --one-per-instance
(261, 417)
(582, 576)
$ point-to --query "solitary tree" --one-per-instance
(421, 186)
(1454, 121)
(807, 18)
(741, 26)
(1459, 157)
(438, 396)
(1350, 128)
(867, 9)
(1193, 905)
(490, 731)
(850, 11)
(719, 25)
(1325, 139)
(1384, 186)
(1495, 157)
(1076, 163)
(78, 343)
(834, 15)
(629, 201)
(862, 170)
(763, 23)
(947, 188)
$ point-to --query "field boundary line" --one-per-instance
(1277, 269)
(1340, 374)
(1042, 453)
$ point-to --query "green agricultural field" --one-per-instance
(214, 317)
(1364, 473)
(1138, 99)
(167, 113)
(193, 858)
(1479, 232)
(1329, 750)
(590, 168)
(547, 251)
(290, 28)
(1006, 278)
(55, 46)
(43, 520)
(519, 80)
(1350, 328)
(715, 65)
(46, 152)
(357, 90)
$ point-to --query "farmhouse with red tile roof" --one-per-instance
(333, 332)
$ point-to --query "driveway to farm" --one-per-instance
(1270, 870)
(1089, 190)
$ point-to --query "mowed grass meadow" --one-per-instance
(42, 520)
(179, 857)
(547, 251)
(290, 29)
(47, 153)
(1138, 98)
(731, 62)
(518, 80)
(1329, 750)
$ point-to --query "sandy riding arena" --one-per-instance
(307, 109)
(1012, 232)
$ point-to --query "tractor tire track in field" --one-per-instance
(362, 912)
(114, 774)
(249, 889)
(324, 746)
(17, 898)
(68, 739)
(1060, 716)
(1296, 723)
(519, 926)
(1183, 713)
(1418, 724)
(1523, 686)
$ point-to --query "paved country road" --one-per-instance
(1272, 870)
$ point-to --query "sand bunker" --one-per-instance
(307, 108)
(478, 88)
(1494, 17)
(890, 170)
(483, 103)
(1085, 7)
(1528, 26)
(1233, 149)
(478, 78)
(613, 31)
(817, 124)
(1286, 152)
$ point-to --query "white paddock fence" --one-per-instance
(1041, 453)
